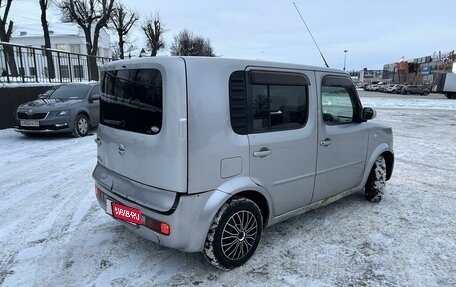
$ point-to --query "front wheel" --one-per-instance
(375, 186)
(81, 126)
(234, 234)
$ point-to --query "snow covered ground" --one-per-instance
(52, 232)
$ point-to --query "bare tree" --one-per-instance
(6, 29)
(153, 29)
(91, 16)
(122, 21)
(185, 44)
(44, 4)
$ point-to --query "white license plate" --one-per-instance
(30, 123)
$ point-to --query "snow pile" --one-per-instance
(53, 233)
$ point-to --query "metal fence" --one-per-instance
(26, 64)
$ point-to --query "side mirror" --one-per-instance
(95, 97)
(369, 114)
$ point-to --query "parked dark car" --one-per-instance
(69, 108)
(416, 89)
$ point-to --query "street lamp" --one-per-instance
(345, 57)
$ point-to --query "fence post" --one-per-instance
(81, 70)
(22, 73)
(6, 65)
(34, 62)
(88, 68)
(60, 68)
(69, 67)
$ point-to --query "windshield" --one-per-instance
(70, 92)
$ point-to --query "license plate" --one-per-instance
(123, 212)
(30, 123)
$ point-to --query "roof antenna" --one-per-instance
(321, 54)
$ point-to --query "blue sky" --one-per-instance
(373, 32)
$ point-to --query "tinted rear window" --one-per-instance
(132, 100)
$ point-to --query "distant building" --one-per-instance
(370, 76)
(420, 71)
(68, 37)
(64, 36)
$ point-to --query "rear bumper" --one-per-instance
(189, 218)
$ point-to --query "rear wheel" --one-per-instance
(234, 234)
(376, 182)
(81, 126)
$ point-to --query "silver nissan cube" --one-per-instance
(201, 154)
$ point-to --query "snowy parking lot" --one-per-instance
(52, 232)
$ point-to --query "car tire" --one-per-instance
(425, 94)
(81, 126)
(376, 182)
(234, 234)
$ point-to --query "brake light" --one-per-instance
(97, 192)
(164, 228)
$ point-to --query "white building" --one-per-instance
(65, 37)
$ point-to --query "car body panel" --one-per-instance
(198, 162)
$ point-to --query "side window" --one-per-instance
(95, 91)
(278, 101)
(278, 107)
(339, 101)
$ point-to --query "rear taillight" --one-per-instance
(158, 226)
(97, 192)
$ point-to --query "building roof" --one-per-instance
(61, 29)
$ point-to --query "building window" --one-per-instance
(30, 51)
(64, 72)
(32, 71)
(62, 47)
(75, 48)
(78, 71)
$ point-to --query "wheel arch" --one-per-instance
(259, 200)
(85, 113)
(246, 187)
(381, 150)
(389, 159)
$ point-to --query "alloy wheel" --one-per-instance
(239, 234)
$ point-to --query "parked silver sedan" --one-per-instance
(69, 108)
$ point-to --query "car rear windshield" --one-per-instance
(131, 100)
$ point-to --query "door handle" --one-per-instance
(263, 152)
(325, 142)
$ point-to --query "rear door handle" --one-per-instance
(325, 142)
(263, 152)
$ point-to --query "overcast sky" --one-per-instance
(374, 32)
